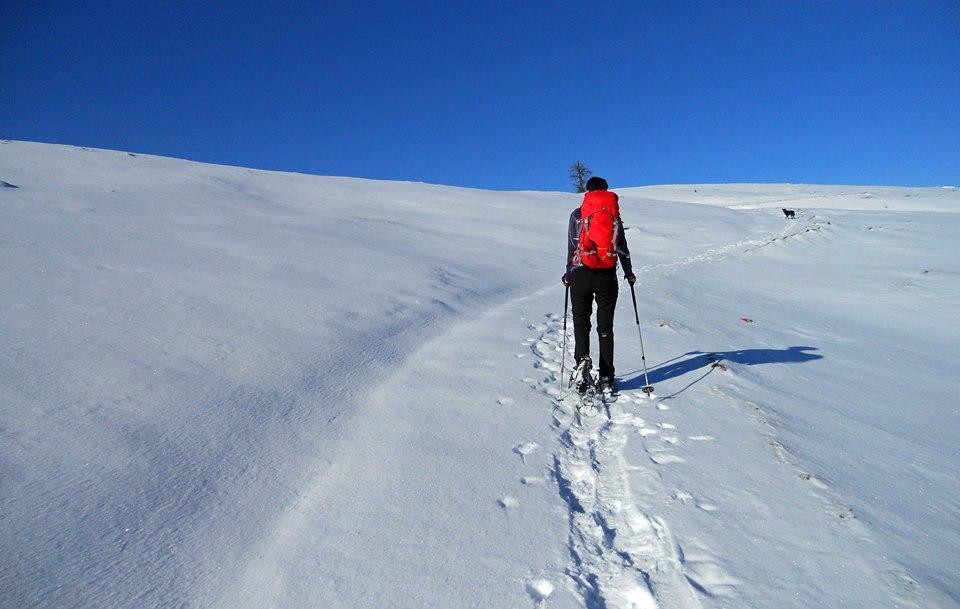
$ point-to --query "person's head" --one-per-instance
(596, 183)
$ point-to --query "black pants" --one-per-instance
(586, 285)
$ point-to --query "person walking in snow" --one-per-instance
(595, 243)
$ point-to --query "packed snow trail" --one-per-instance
(623, 557)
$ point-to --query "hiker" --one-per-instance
(595, 242)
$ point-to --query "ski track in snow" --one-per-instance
(796, 228)
(623, 557)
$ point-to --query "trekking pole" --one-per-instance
(563, 352)
(647, 388)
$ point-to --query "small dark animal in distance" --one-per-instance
(789, 213)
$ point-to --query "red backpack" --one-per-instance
(599, 223)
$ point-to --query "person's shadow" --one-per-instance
(699, 359)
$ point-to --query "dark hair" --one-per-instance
(596, 183)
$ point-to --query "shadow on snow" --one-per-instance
(699, 359)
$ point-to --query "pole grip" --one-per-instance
(633, 295)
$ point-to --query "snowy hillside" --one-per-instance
(232, 388)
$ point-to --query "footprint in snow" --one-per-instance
(672, 325)
(659, 453)
(540, 590)
(531, 481)
(779, 452)
(552, 391)
(508, 502)
(665, 458)
(684, 497)
(505, 401)
(525, 449)
(705, 572)
(817, 482)
(547, 365)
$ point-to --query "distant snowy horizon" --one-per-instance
(613, 186)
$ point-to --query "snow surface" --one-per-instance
(232, 388)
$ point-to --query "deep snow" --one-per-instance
(233, 388)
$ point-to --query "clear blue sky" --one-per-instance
(500, 95)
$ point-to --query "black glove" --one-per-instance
(631, 278)
(566, 280)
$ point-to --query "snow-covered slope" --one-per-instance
(223, 387)
(803, 196)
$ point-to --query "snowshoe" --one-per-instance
(581, 377)
(589, 405)
(608, 387)
(583, 381)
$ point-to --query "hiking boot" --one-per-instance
(608, 384)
